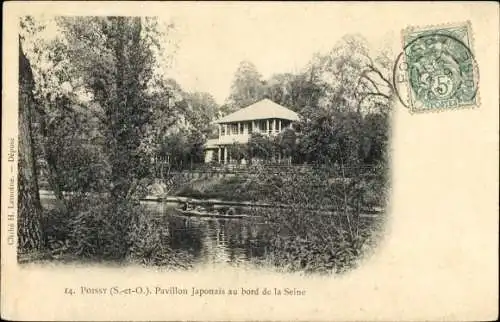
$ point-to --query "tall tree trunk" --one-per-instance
(51, 158)
(119, 164)
(53, 179)
(30, 209)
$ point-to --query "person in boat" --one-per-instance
(186, 206)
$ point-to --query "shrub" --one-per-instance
(95, 228)
(329, 240)
(55, 225)
(148, 240)
(99, 229)
(305, 241)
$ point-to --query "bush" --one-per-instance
(150, 239)
(55, 225)
(306, 241)
(99, 229)
(332, 240)
(229, 188)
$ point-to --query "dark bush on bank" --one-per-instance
(337, 233)
(96, 229)
(319, 244)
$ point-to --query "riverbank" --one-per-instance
(311, 224)
(246, 189)
(365, 193)
(230, 188)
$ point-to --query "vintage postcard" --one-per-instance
(250, 161)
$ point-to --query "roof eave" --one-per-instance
(257, 118)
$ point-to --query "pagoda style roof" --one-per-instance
(264, 109)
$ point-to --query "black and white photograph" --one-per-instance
(247, 161)
(121, 161)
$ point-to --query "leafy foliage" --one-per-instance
(294, 91)
(247, 87)
(202, 111)
(238, 151)
(331, 238)
(260, 146)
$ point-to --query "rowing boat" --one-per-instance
(196, 213)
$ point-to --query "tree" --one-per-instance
(181, 118)
(51, 101)
(351, 96)
(169, 109)
(238, 152)
(114, 58)
(196, 143)
(175, 150)
(294, 91)
(279, 88)
(112, 65)
(331, 137)
(260, 147)
(287, 144)
(203, 109)
(352, 76)
(247, 87)
(30, 209)
(376, 138)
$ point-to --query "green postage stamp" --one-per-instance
(437, 69)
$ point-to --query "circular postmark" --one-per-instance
(435, 71)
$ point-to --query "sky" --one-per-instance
(212, 40)
(209, 40)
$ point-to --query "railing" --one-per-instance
(272, 168)
(240, 137)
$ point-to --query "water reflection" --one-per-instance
(206, 240)
(211, 240)
(164, 237)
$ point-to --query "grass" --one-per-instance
(369, 193)
(231, 188)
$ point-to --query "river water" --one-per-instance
(193, 241)
(206, 240)
(210, 240)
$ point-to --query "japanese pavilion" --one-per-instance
(264, 117)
